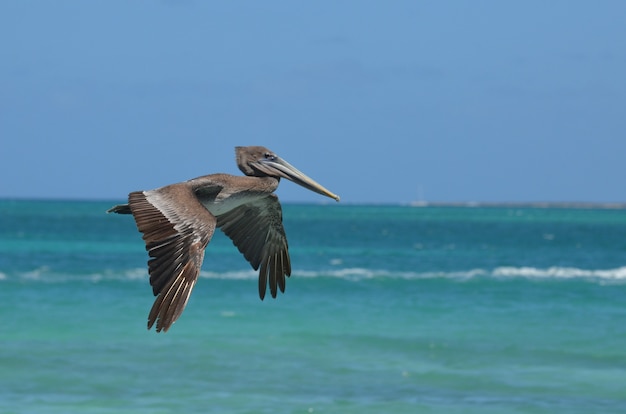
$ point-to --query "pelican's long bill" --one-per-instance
(278, 166)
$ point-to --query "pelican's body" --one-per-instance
(178, 221)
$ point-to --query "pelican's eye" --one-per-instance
(270, 156)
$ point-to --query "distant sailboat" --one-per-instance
(420, 202)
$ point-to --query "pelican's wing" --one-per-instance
(256, 228)
(176, 228)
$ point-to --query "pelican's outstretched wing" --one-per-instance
(176, 228)
(256, 228)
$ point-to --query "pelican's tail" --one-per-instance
(120, 209)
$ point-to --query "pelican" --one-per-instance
(177, 222)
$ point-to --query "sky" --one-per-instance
(379, 101)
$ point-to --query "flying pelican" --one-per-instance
(178, 221)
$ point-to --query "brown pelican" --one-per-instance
(178, 221)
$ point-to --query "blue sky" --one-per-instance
(378, 101)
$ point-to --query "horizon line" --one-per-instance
(418, 204)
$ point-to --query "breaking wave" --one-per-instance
(504, 272)
(46, 275)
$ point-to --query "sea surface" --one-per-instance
(389, 309)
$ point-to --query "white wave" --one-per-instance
(556, 272)
(36, 274)
(357, 273)
(47, 275)
(234, 275)
(44, 274)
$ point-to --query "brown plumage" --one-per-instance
(177, 222)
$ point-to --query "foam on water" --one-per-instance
(554, 272)
(45, 275)
(357, 273)
(560, 272)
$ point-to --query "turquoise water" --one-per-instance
(389, 309)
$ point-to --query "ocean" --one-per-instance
(389, 309)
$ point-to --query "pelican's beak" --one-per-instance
(278, 167)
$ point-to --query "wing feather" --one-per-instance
(256, 228)
(176, 229)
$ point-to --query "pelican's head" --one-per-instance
(261, 162)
